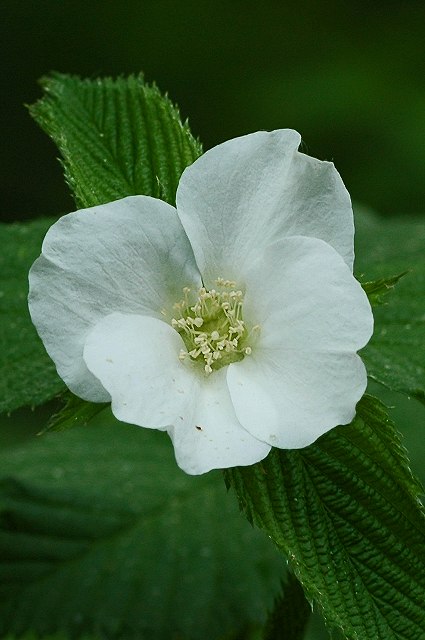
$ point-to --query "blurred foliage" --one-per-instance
(101, 532)
(348, 75)
(23, 358)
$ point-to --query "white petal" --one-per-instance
(131, 255)
(290, 398)
(303, 377)
(304, 297)
(241, 195)
(212, 437)
(136, 359)
(318, 205)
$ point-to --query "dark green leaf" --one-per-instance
(101, 532)
(383, 241)
(27, 375)
(116, 137)
(346, 511)
(395, 357)
(290, 614)
(73, 413)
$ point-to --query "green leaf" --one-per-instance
(101, 533)
(290, 615)
(395, 357)
(376, 290)
(346, 511)
(383, 241)
(73, 413)
(116, 137)
(27, 375)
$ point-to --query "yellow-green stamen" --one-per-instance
(212, 329)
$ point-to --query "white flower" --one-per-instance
(231, 323)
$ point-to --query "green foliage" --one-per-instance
(376, 290)
(56, 636)
(74, 412)
(346, 511)
(116, 137)
(290, 614)
(101, 533)
(395, 357)
(27, 375)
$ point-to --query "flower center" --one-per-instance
(212, 329)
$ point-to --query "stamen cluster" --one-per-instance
(212, 329)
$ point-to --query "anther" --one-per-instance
(219, 313)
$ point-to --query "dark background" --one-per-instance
(350, 76)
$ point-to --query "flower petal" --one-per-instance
(303, 376)
(136, 359)
(131, 255)
(290, 398)
(212, 437)
(304, 297)
(243, 194)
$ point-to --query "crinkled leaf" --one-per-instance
(27, 375)
(346, 511)
(101, 532)
(116, 137)
(290, 614)
(395, 357)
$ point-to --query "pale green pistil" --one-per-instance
(212, 329)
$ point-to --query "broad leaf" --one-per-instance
(346, 511)
(102, 533)
(116, 137)
(395, 357)
(27, 375)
